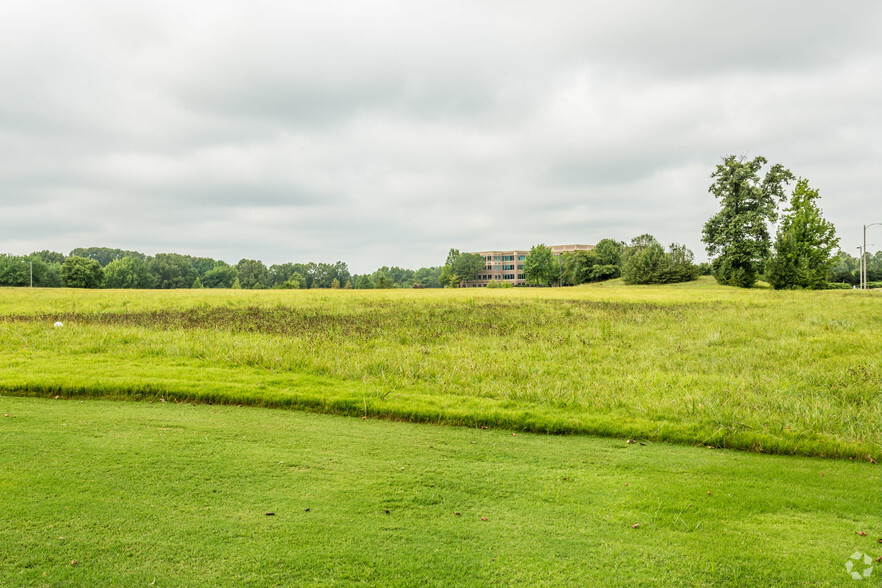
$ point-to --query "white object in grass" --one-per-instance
(59, 324)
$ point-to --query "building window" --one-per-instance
(522, 257)
(520, 276)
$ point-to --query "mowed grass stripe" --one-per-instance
(168, 494)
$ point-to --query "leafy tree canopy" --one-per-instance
(540, 266)
(646, 262)
(252, 274)
(80, 272)
(104, 255)
(738, 235)
(460, 267)
(222, 275)
(804, 244)
(171, 270)
(127, 272)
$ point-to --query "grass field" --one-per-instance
(98, 493)
(781, 372)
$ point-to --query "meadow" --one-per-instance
(701, 364)
(593, 445)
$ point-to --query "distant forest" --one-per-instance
(102, 267)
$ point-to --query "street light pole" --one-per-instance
(864, 285)
(860, 267)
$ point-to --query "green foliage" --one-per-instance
(429, 277)
(609, 252)
(47, 274)
(14, 271)
(47, 256)
(252, 274)
(103, 255)
(447, 279)
(643, 261)
(844, 268)
(18, 270)
(804, 245)
(295, 282)
(838, 286)
(646, 262)
(312, 275)
(680, 266)
(502, 284)
(540, 267)
(197, 284)
(222, 275)
(364, 282)
(738, 235)
(383, 282)
(460, 267)
(127, 272)
(599, 264)
(577, 267)
(80, 272)
(171, 270)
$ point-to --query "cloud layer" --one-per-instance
(384, 133)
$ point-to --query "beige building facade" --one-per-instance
(508, 265)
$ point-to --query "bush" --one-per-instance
(838, 286)
(495, 284)
(646, 262)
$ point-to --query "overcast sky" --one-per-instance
(385, 133)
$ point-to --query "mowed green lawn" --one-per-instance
(697, 363)
(100, 493)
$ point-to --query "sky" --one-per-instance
(387, 132)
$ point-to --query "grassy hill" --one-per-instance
(782, 372)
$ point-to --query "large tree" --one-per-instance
(540, 266)
(14, 270)
(127, 272)
(80, 272)
(222, 275)
(738, 236)
(461, 267)
(804, 244)
(252, 274)
(171, 270)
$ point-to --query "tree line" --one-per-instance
(103, 267)
(642, 261)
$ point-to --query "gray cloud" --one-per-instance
(384, 133)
